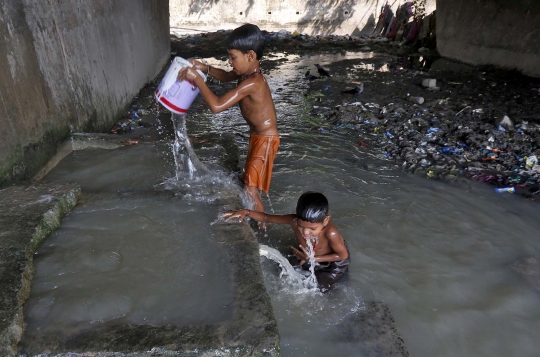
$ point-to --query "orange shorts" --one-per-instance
(260, 160)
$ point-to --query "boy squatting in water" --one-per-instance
(252, 93)
(311, 222)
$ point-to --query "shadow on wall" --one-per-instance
(198, 6)
(322, 17)
(326, 16)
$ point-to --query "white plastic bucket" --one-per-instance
(175, 95)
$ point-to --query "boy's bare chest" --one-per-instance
(320, 244)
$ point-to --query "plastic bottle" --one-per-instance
(505, 189)
(417, 100)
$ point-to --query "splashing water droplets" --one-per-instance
(184, 156)
(312, 279)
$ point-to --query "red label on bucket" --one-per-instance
(168, 104)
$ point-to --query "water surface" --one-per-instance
(436, 253)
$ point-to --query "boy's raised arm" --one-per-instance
(259, 216)
(215, 103)
(217, 73)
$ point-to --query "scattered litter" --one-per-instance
(505, 189)
(462, 110)
(429, 83)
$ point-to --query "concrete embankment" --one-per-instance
(27, 216)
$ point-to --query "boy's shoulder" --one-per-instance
(331, 230)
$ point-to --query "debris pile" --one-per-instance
(435, 141)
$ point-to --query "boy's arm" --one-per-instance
(259, 216)
(217, 73)
(215, 103)
(338, 247)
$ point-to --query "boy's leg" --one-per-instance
(253, 193)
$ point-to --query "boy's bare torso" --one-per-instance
(322, 243)
(258, 108)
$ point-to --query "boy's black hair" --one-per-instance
(312, 207)
(247, 37)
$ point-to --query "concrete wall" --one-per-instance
(71, 64)
(307, 16)
(491, 32)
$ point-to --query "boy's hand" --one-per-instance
(301, 255)
(188, 73)
(240, 214)
(198, 65)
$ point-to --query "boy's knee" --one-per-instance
(252, 190)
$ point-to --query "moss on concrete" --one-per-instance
(28, 214)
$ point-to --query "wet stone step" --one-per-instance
(28, 214)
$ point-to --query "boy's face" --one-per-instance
(311, 230)
(240, 62)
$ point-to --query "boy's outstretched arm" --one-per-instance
(215, 103)
(259, 216)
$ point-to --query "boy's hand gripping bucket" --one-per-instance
(175, 95)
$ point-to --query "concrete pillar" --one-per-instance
(71, 65)
(488, 32)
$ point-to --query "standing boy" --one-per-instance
(245, 47)
(310, 223)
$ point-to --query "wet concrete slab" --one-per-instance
(28, 214)
(251, 329)
(374, 328)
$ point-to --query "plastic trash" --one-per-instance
(506, 123)
(389, 134)
(505, 189)
(531, 161)
(416, 100)
(449, 150)
(429, 83)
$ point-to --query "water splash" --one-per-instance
(312, 279)
(287, 269)
(184, 156)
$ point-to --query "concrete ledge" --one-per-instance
(252, 330)
(27, 216)
(375, 328)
